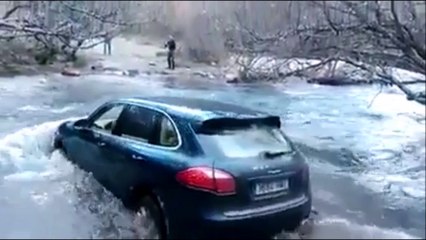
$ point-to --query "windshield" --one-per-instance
(249, 142)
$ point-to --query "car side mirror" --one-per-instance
(82, 123)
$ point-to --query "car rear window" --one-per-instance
(248, 142)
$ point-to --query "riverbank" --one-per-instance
(147, 58)
(132, 57)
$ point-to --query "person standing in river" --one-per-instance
(171, 46)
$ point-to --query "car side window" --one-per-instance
(168, 133)
(138, 124)
(107, 121)
(149, 126)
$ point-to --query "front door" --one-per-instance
(142, 138)
(100, 128)
(82, 149)
(134, 127)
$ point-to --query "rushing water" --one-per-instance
(367, 158)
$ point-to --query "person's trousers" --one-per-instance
(171, 59)
(107, 48)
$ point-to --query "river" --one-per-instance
(367, 158)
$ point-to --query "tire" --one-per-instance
(149, 222)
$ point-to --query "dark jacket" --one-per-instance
(171, 45)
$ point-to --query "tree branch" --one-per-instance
(13, 10)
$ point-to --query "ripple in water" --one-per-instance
(385, 137)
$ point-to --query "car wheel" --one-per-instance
(148, 221)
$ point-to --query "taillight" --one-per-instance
(207, 179)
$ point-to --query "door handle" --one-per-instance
(101, 144)
(136, 157)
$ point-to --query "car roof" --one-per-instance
(193, 109)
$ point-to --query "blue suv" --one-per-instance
(193, 168)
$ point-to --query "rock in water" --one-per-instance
(231, 78)
(133, 72)
(97, 66)
(71, 72)
(338, 81)
(201, 74)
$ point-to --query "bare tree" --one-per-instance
(376, 36)
(372, 36)
(61, 27)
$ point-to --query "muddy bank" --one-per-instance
(146, 58)
(32, 69)
(29, 70)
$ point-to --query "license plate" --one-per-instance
(271, 187)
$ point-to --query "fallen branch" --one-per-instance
(388, 78)
(375, 96)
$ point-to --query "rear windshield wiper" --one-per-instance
(273, 154)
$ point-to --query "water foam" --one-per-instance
(332, 227)
(340, 228)
(385, 135)
(31, 108)
(397, 148)
(27, 151)
(44, 196)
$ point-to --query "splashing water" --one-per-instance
(50, 197)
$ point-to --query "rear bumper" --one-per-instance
(264, 210)
(255, 222)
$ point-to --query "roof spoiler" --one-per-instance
(218, 124)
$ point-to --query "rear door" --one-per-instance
(259, 156)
